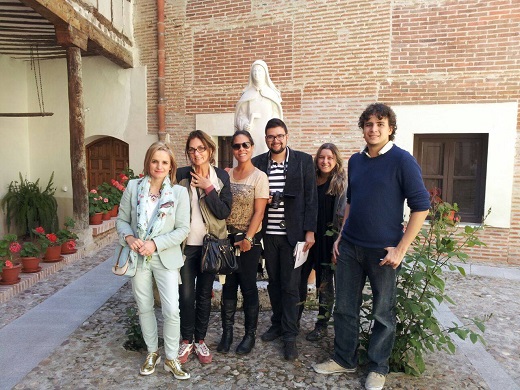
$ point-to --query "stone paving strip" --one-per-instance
(85, 306)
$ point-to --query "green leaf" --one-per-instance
(462, 271)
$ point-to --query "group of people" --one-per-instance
(273, 202)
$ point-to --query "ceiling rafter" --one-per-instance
(52, 25)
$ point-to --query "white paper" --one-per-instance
(300, 256)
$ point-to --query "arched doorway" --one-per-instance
(106, 158)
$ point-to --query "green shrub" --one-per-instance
(421, 286)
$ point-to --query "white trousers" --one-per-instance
(168, 286)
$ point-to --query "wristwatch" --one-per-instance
(249, 239)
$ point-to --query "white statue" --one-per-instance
(259, 102)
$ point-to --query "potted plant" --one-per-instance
(106, 207)
(50, 243)
(94, 208)
(9, 271)
(117, 193)
(68, 237)
(27, 206)
(30, 256)
(111, 193)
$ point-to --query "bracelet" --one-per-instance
(249, 239)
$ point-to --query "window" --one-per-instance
(456, 164)
(225, 153)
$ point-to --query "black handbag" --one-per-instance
(218, 257)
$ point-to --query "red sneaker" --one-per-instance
(185, 350)
(202, 351)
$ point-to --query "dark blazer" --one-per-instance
(301, 207)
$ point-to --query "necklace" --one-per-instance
(154, 197)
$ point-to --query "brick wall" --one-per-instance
(332, 58)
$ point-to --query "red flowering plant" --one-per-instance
(46, 239)
(8, 248)
(71, 245)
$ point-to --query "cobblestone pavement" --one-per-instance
(93, 357)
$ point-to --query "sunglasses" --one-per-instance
(245, 145)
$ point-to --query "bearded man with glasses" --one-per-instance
(290, 217)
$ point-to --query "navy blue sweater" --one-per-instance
(377, 189)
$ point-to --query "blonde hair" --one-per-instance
(338, 182)
(155, 147)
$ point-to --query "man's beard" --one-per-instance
(278, 151)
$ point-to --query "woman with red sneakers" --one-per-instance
(210, 199)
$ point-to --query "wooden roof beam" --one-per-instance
(61, 13)
(66, 35)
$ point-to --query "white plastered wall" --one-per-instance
(14, 144)
(496, 119)
(115, 105)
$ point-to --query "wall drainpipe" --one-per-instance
(161, 59)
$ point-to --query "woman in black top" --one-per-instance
(331, 180)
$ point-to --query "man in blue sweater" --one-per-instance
(372, 243)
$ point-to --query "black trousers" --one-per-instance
(283, 286)
(194, 296)
(246, 275)
(324, 286)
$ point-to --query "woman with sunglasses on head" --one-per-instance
(331, 180)
(210, 199)
(250, 189)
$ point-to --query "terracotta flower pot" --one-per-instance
(96, 219)
(106, 216)
(10, 275)
(65, 250)
(30, 264)
(53, 254)
(114, 210)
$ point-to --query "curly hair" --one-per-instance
(380, 110)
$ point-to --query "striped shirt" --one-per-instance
(276, 175)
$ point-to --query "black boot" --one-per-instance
(250, 323)
(227, 312)
(320, 331)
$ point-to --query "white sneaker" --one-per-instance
(331, 367)
(375, 381)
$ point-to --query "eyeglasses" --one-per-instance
(200, 149)
(245, 145)
(271, 138)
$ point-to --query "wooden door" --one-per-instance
(106, 158)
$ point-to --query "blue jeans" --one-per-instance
(354, 265)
